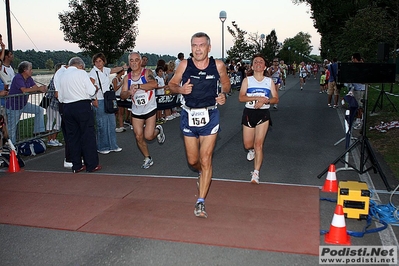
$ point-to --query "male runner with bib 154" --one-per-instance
(197, 80)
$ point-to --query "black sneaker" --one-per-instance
(199, 210)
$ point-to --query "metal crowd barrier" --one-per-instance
(25, 125)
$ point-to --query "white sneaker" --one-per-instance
(67, 164)
(104, 152)
(119, 129)
(147, 163)
(117, 149)
(251, 155)
(170, 117)
(52, 143)
(176, 114)
(57, 142)
(161, 135)
(254, 178)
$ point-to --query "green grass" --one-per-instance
(387, 144)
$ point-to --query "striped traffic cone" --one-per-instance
(331, 184)
(337, 233)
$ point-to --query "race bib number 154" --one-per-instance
(198, 117)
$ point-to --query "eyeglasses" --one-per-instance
(275, 61)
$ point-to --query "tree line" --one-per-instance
(246, 44)
(355, 26)
(345, 27)
(47, 59)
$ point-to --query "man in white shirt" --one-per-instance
(7, 61)
(6, 67)
(75, 91)
(180, 57)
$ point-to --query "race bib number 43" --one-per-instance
(198, 117)
(141, 99)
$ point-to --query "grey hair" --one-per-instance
(200, 35)
(24, 65)
(76, 61)
(137, 53)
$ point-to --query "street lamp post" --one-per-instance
(262, 39)
(289, 54)
(222, 17)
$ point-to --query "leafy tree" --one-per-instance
(355, 39)
(241, 48)
(271, 46)
(300, 43)
(49, 64)
(257, 44)
(101, 26)
(245, 47)
(333, 22)
(329, 19)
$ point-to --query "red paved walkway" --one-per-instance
(242, 215)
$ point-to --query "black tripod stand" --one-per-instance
(363, 73)
(366, 152)
(380, 100)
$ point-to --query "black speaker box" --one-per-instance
(383, 52)
(366, 73)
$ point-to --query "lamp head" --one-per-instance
(222, 16)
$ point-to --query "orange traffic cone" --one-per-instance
(337, 233)
(330, 185)
(13, 166)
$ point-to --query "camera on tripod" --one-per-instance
(365, 73)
